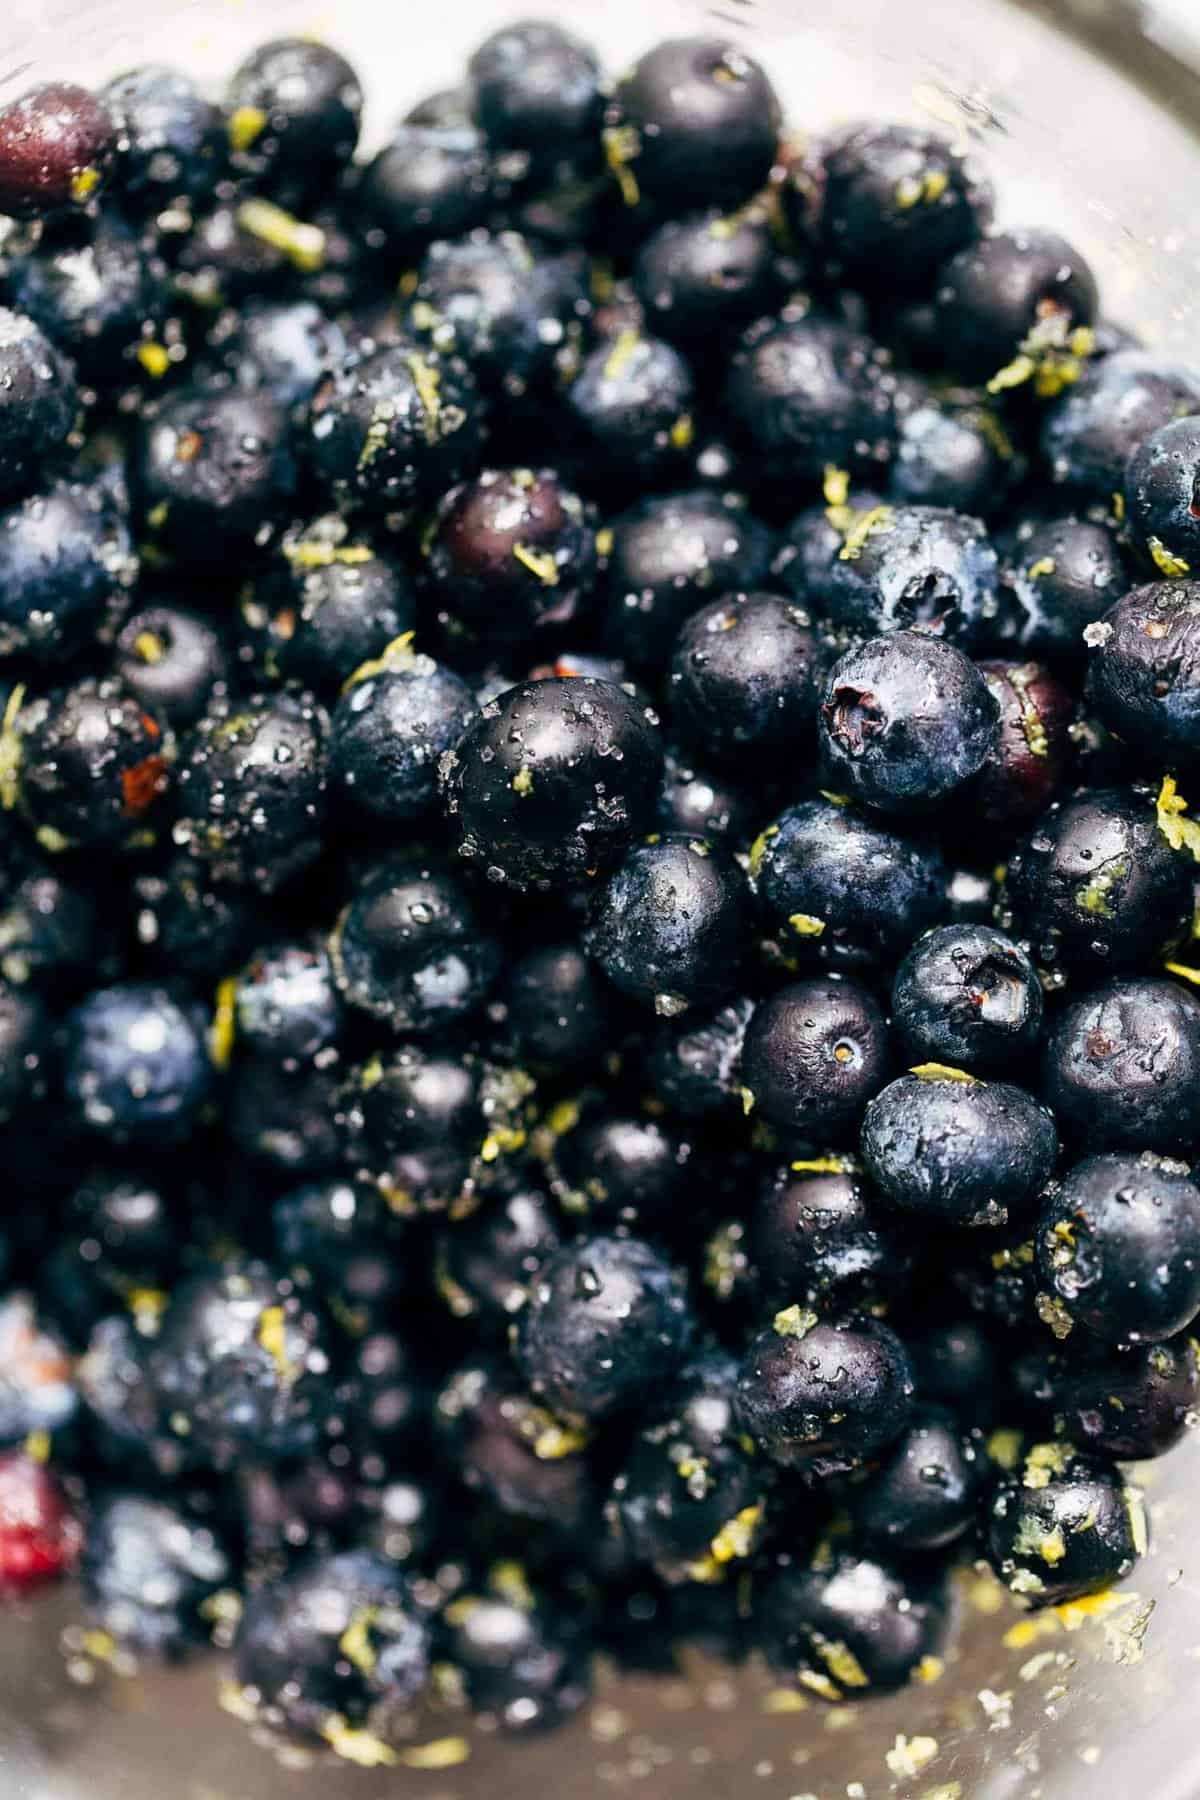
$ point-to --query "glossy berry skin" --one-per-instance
(920, 568)
(285, 1003)
(172, 661)
(618, 1170)
(188, 925)
(514, 314)
(92, 766)
(1162, 479)
(1096, 885)
(1119, 401)
(950, 456)
(631, 406)
(288, 1656)
(969, 996)
(956, 1367)
(606, 1317)
(668, 555)
(872, 890)
(48, 927)
(695, 802)
(1063, 575)
(328, 606)
(803, 393)
(994, 294)
(1144, 670)
(252, 784)
(814, 541)
(282, 346)
(484, 1264)
(215, 473)
(284, 1118)
(410, 948)
(926, 1493)
(332, 1238)
(56, 146)
(1118, 1244)
(509, 1448)
(535, 87)
(219, 262)
(905, 720)
(1122, 1066)
(694, 1064)
(510, 553)
(1073, 1529)
(824, 1397)
(867, 1622)
(136, 1065)
(967, 1152)
(706, 275)
(241, 1366)
(1028, 762)
(818, 1234)
(559, 1013)
(40, 1536)
(694, 121)
(668, 928)
(689, 1500)
(171, 143)
(1133, 1403)
(431, 1129)
(743, 680)
(552, 781)
(814, 1054)
(397, 717)
(67, 565)
(98, 295)
(38, 400)
(294, 111)
(898, 201)
(391, 428)
(528, 1667)
(147, 1573)
(428, 183)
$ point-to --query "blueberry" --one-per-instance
(831, 879)
(814, 1054)
(285, 1004)
(912, 567)
(1096, 883)
(804, 393)
(694, 802)
(527, 1665)
(398, 715)
(552, 781)
(906, 720)
(695, 120)
(1118, 1246)
(1162, 485)
(850, 1625)
(1122, 1066)
(535, 87)
(620, 1171)
(528, 1463)
(1030, 758)
(170, 147)
(668, 929)
(1144, 673)
(945, 1146)
(294, 109)
(56, 148)
(743, 680)
(667, 555)
(149, 1573)
(707, 275)
(429, 182)
(172, 661)
(99, 294)
(925, 1495)
(818, 1233)
(969, 996)
(631, 406)
(694, 1064)
(1068, 1527)
(92, 767)
(1133, 1402)
(38, 397)
(290, 1654)
(1119, 401)
(485, 1264)
(1063, 575)
(951, 455)
(1001, 293)
(67, 567)
(605, 1317)
(898, 201)
(215, 473)
(559, 1013)
(136, 1065)
(824, 1396)
(410, 949)
(283, 347)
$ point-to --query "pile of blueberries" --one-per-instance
(597, 1042)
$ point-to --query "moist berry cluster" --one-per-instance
(598, 1036)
